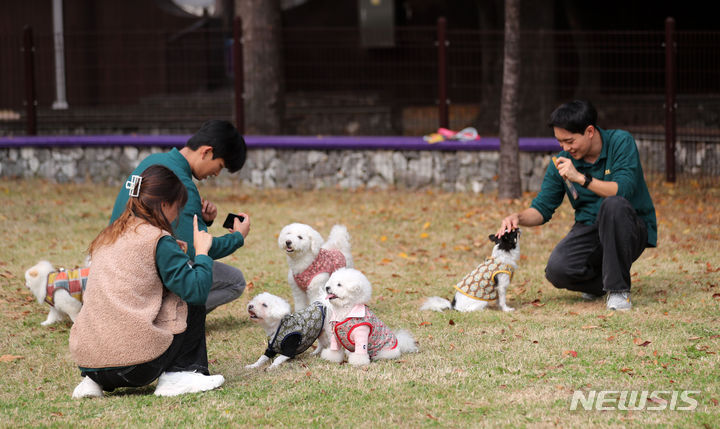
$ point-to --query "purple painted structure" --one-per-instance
(526, 144)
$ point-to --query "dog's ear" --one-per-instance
(360, 286)
(278, 307)
(316, 241)
(493, 238)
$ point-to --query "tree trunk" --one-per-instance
(262, 56)
(509, 168)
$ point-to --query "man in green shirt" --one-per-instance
(216, 145)
(614, 214)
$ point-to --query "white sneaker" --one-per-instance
(619, 301)
(177, 383)
(87, 389)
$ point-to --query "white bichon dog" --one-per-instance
(61, 289)
(355, 329)
(488, 282)
(289, 334)
(311, 260)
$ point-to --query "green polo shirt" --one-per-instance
(183, 227)
(619, 162)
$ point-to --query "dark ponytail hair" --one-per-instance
(159, 185)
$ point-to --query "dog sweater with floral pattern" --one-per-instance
(381, 337)
(327, 261)
(480, 284)
(72, 281)
(297, 331)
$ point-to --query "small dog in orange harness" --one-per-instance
(61, 289)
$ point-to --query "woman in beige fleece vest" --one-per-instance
(143, 315)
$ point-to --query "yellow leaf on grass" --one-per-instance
(424, 235)
(426, 225)
(383, 238)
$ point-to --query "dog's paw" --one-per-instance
(336, 356)
(507, 309)
(358, 359)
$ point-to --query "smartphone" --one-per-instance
(230, 220)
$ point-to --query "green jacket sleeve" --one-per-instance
(225, 245)
(551, 193)
(190, 283)
(624, 163)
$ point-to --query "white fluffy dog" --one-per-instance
(61, 289)
(488, 282)
(289, 334)
(356, 331)
(311, 260)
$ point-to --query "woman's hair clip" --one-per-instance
(134, 185)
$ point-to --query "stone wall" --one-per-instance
(474, 171)
(463, 171)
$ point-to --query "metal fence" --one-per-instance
(158, 82)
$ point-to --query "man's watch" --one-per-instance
(588, 179)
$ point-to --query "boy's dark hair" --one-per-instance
(225, 140)
(574, 116)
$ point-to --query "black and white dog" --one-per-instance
(488, 282)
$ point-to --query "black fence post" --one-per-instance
(239, 75)
(442, 43)
(670, 100)
(30, 95)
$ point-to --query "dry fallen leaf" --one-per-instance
(640, 342)
(572, 353)
(10, 358)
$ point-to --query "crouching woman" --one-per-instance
(143, 315)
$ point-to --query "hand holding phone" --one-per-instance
(230, 220)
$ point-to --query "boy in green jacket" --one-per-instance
(614, 214)
(216, 145)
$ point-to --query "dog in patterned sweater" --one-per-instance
(311, 260)
(61, 289)
(289, 334)
(488, 282)
(355, 329)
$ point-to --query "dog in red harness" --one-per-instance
(61, 289)
(356, 332)
(311, 260)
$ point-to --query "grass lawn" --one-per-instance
(481, 369)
